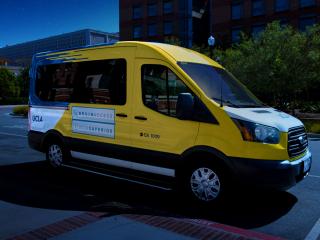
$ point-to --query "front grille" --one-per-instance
(297, 141)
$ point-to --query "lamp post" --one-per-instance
(211, 42)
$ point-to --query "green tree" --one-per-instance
(23, 81)
(173, 41)
(8, 84)
(281, 65)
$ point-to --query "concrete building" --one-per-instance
(21, 54)
(230, 17)
(14, 69)
(186, 21)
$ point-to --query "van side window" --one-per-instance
(100, 82)
(175, 86)
(154, 89)
(160, 88)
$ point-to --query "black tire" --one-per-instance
(56, 153)
(214, 189)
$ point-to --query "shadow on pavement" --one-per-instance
(37, 185)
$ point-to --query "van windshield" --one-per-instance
(220, 85)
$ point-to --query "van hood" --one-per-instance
(266, 116)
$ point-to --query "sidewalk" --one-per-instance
(129, 226)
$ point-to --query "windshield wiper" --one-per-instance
(227, 102)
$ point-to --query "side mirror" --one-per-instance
(185, 105)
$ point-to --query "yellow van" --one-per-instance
(158, 114)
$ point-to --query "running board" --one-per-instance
(124, 164)
(116, 177)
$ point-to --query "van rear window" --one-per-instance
(100, 82)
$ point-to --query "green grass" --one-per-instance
(20, 110)
(312, 126)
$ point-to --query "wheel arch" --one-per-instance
(190, 156)
(52, 135)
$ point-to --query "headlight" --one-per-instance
(255, 132)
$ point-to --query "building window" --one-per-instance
(137, 32)
(281, 5)
(235, 34)
(152, 10)
(257, 29)
(306, 21)
(137, 12)
(307, 3)
(152, 29)
(167, 7)
(168, 28)
(258, 7)
(237, 10)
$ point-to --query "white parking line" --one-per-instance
(15, 126)
(12, 134)
(314, 176)
(315, 232)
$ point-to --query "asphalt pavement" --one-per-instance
(33, 196)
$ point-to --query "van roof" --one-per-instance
(178, 54)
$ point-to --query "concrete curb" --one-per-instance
(18, 115)
(10, 106)
(313, 135)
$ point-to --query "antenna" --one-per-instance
(221, 97)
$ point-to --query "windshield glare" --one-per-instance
(219, 85)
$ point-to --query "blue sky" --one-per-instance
(26, 20)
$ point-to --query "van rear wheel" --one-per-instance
(55, 154)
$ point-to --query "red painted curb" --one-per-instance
(196, 228)
(60, 227)
(239, 231)
(200, 229)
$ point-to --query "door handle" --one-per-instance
(140, 118)
(121, 115)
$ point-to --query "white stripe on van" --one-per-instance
(116, 177)
(125, 164)
(43, 120)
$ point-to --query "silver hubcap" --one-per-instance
(205, 184)
(55, 155)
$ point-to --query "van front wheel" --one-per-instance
(205, 183)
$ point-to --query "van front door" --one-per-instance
(155, 125)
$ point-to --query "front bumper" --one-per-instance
(273, 174)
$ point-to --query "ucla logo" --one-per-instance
(37, 118)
